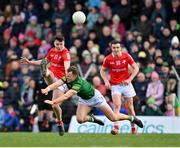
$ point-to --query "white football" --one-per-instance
(78, 17)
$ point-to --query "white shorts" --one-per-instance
(127, 91)
(63, 87)
(96, 101)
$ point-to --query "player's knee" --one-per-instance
(117, 105)
(80, 120)
(130, 107)
(55, 106)
(113, 119)
(130, 104)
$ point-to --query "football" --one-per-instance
(114, 131)
(78, 17)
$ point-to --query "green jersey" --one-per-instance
(83, 88)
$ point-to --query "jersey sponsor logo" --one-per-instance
(55, 65)
(118, 70)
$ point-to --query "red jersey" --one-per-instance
(118, 67)
(56, 59)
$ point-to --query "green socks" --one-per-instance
(90, 119)
(131, 118)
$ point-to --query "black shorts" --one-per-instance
(40, 84)
(41, 104)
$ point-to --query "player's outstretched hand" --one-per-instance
(24, 60)
(44, 91)
(49, 102)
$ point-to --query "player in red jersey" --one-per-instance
(58, 59)
(117, 62)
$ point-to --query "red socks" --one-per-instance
(59, 122)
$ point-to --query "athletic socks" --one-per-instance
(131, 118)
(133, 125)
(90, 118)
(133, 128)
(59, 122)
(116, 125)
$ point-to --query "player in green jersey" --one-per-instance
(89, 98)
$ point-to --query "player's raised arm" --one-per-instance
(24, 60)
(52, 86)
(60, 99)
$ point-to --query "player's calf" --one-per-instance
(89, 118)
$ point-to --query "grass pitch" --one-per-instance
(86, 140)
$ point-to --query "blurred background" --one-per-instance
(148, 29)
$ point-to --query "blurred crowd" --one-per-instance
(148, 29)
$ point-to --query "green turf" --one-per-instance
(72, 140)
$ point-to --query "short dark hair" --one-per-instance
(60, 38)
(115, 42)
(73, 69)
